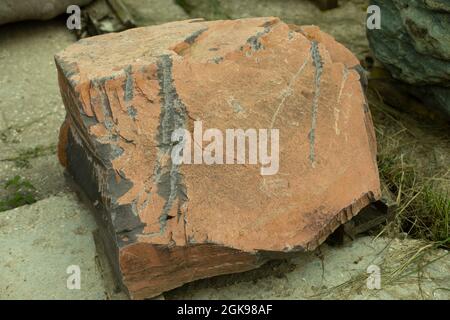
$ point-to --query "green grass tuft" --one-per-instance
(412, 164)
(19, 192)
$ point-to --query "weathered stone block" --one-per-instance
(165, 223)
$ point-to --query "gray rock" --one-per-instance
(428, 28)
(414, 45)
(13, 10)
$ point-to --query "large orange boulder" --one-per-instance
(207, 148)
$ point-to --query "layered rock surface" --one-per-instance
(414, 44)
(165, 224)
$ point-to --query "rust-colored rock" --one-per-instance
(165, 224)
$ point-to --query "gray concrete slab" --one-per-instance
(31, 108)
(39, 242)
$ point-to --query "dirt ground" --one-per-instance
(58, 227)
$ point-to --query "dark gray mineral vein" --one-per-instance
(173, 116)
(318, 64)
